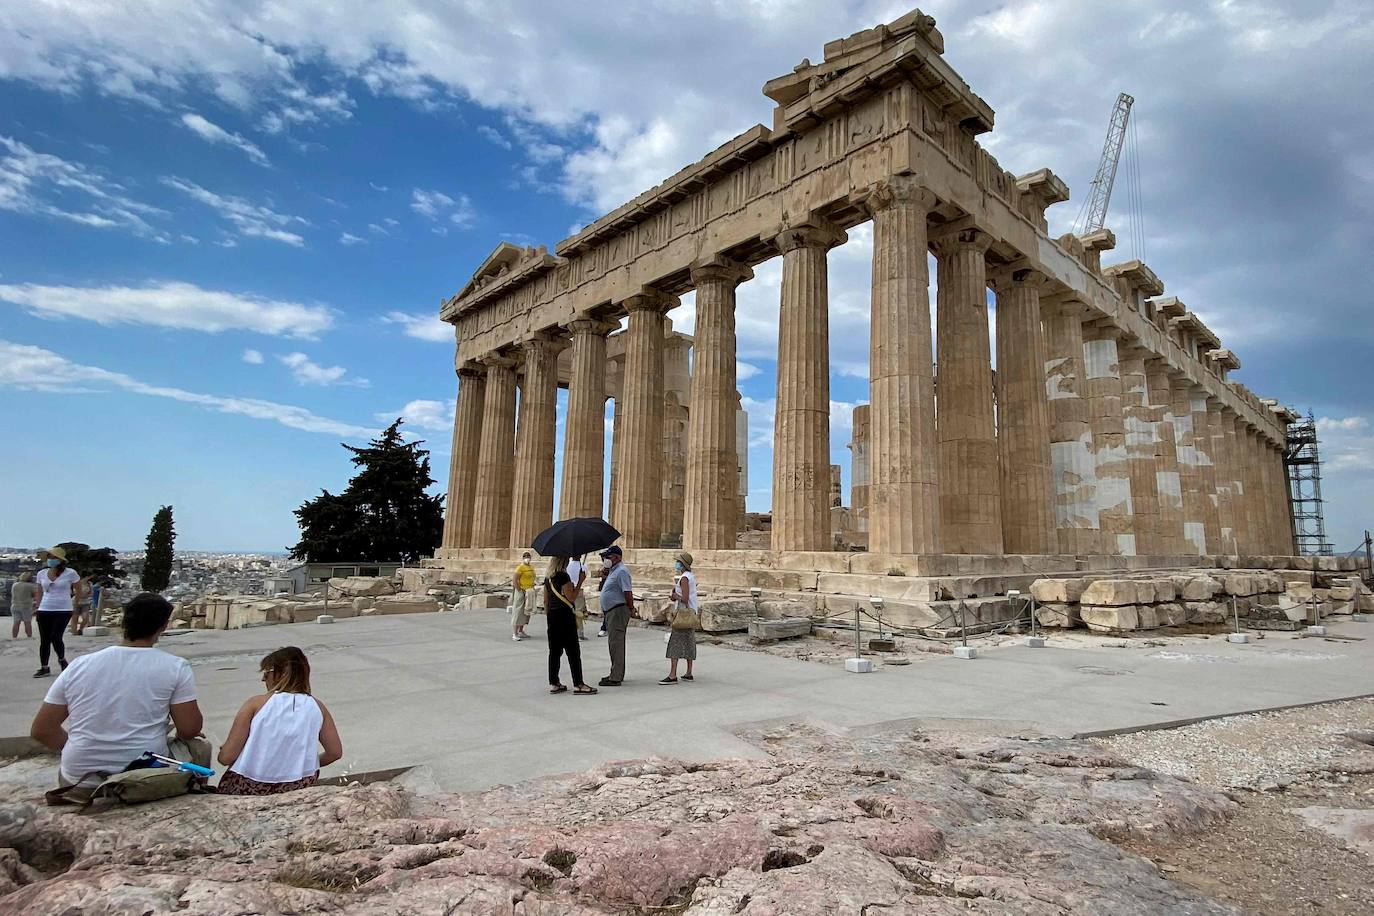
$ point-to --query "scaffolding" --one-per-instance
(1304, 465)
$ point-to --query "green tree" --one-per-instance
(157, 556)
(96, 564)
(383, 515)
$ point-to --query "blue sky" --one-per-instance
(225, 228)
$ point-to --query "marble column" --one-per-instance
(1167, 486)
(617, 441)
(462, 472)
(900, 474)
(491, 514)
(711, 510)
(1189, 475)
(1234, 429)
(1142, 448)
(639, 514)
(1073, 471)
(1221, 464)
(1023, 413)
(1103, 391)
(535, 440)
(1207, 474)
(1285, 539)
(801, 426)
(1254, 490)
(858, 466)
(584, 434)
(1277, 493)
(970, 475)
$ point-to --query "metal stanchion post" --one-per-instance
(858, 664)
(1237, 636)
(1034, 640)
(964, 650)
(1314, 624)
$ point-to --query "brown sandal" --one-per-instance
(558, 688)
(584, 689)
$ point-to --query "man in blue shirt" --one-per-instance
(617, 603)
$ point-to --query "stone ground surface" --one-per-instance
(453, 693)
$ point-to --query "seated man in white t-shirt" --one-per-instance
(116, 702)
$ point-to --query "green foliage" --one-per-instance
(157, 558)
(384, 514)
(96, 564)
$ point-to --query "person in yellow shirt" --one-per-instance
(522, 588)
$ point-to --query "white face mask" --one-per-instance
(606, 563)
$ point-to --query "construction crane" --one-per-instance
(1093, 215)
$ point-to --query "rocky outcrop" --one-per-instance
(906, 822)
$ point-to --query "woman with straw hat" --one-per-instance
(62, 590)
(682, 642)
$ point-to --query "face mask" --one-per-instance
(606, 563)
(53, 564)
(677, 566)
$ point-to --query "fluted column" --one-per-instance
(491, 512)
(1284, 536)
(711, 510)
(901, 474)
(970, 476)
(801, 426)
(1221, 465)
(1023, 412)
(1167, 486)
(532, 500)
(1142, 448)
(1207, 474)
(462, 471)
(1103, 390)
(1274, 496)
(639, 490)
(1234, 429)
(1073, 470)
(584, 433)
(1189, 474)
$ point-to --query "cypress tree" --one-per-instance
(157, 557)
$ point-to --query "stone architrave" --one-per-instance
(801, 426)
(711, 510)
(535, 440)
(491, 514)
(462, 475)
(1142, 448)
(1189, 474)
(970, 486)
(1023, 411)
(902, 457)
(639, 513)
(1221, 466)
(1102, 386)
(1207, 474)
(584, 435)
(1073, 470)
(1167, 486)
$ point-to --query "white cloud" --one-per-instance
(436, 416)
(213, 133)
(1343, 424)
(47, 185)
(495, 136)
(436, 205)
(745, 371)
(35, 369)
(249, 219)
(377, 187)
(349, 238)
(421, 326)
(308, 372)
(299, 106)
(253, 357)
(169, 304)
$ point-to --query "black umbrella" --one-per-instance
(573, 537)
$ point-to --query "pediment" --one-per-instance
(503, 260)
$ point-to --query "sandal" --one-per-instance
(668, 680)
(558, 688)
(688, 677)
(584, 689)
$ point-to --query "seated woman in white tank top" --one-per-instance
(274, 743)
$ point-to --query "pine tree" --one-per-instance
(384, 515)
(157, 557)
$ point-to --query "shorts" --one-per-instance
(21, 616)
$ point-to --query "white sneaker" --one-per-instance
(600, 632)
(514, 638)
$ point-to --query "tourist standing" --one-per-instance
(115, 703)
(61, 586)
(617, 603)
(522, 583)
(23, 597)
(682, 642)
(577, 574)
(560, 600)
(281, 739)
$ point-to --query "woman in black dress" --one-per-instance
(560, 599)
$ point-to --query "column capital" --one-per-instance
(1133, 348)
(897, 191)
(960, 239)
(544, 342)
(495, 360)
(470, 369)
(1066, 304)
(583, 323)
(1016, 274)
(719, 269)
(649, 299)
(814, 233)
(1104, 329)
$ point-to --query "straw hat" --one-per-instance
(685, 559)
(57, 552)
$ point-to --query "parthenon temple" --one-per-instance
(1110, 432)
